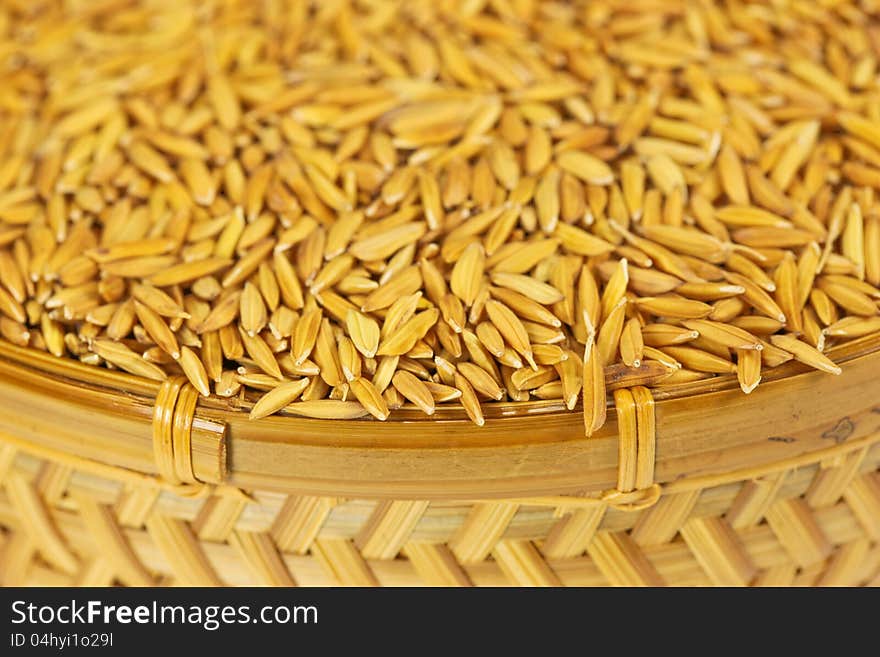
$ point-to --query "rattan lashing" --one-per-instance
(176, 403)
(810, 520)
(173, 417)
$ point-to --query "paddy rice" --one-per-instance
(338, 209)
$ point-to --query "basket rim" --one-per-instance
(701, 431)
(129, 384)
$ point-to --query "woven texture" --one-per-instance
(813, 519)
(818, 524)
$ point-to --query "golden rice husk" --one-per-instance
(455, 206)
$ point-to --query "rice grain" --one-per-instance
(444, 207)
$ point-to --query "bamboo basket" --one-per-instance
(109, 479)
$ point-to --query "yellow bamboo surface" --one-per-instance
(780, 487)
(524, 449)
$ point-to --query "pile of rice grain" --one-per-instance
(338, 208)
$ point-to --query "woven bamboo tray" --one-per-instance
(107, 479)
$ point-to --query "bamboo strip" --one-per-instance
(216, 519)
(844, 566)
(182, 551)
(662, 522)
(523, 565)
(435, 564)
(297, 524)
(388, 528)
(481, 531)
(646, 437)
(119, 556)
(52, 482)
(831, 483)
(261, 555)
(863, 497)
(135, 504)
(572, 534)
(794, 524)
(754, 499)
(622, 561)
(18, 552)
(719, 551)
(38, 524)
(777, 576)
(98, 572)
(341, 560)
(627, 429)
(7, 459)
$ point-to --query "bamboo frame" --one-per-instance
(703, 429)
(733, 499)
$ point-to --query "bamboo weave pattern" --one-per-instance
(814, 520)
(816, 524)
